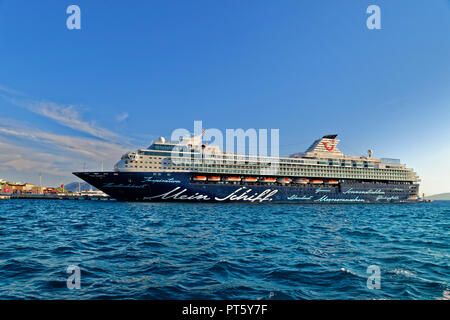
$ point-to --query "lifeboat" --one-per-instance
(284, 180)
(214, 179)
(199, 178)
(332, 182)
(267, 180)
(250, 179)
(316, 181)
(301, 181)
(233, 179)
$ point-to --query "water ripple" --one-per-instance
(222, 251)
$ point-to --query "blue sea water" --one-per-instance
(223, 251)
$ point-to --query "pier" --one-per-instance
(56, 197)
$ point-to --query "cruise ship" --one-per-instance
(193, 171)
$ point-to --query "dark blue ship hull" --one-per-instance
(161, 186)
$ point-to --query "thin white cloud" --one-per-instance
(85, 147)
(122, 117)
(10, 91)
(66, 115)
(13, 157)
(26, 150)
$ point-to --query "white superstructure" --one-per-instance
(322, 160)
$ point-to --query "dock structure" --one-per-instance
(56, 197)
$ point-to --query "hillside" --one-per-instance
(73, 186)
(440, 196)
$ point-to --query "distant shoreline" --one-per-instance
(441, 196)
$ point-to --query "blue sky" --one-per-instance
(137, 70)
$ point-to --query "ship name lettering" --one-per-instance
(180, 195)
(370, 191)
(296, 197)
(121, 185)
(171, 180)
(387, 198)
(263, 196)
(322, 190)
(326, 199)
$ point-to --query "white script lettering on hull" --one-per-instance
(121, 185)
(327, 199)
(173, 194)
(296, 197)
(370, 191)
(238, 195)
(388, 198)
(170, 180)
(247, 195)
(322, 190)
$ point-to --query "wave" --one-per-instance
(223, 251)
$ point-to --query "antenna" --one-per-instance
(40, 182)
